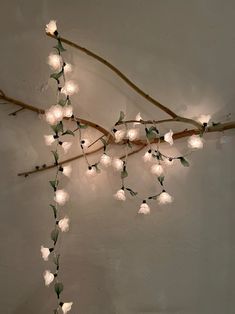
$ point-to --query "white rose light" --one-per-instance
(64, 224)
(58, 112)
(91, 171)
(168, 137)
(120, 195)
(51, 27)
(48, 277)
(50, 118)
(148, 156)
(61, 197)
(49, 139)
(204, 119)
(133, 134)
(137, 118)
(119, 135)
(157, 169)
(66, 307)
(67, 68)
(195, 142)
(69, 88)
(45, 252)
(68, 111)
(164, 198)
(144, 208)
(105, 160)
(67, 170)
(117, 164)
(66, 146)
(55, 61)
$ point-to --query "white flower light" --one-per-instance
(105, 160)
(119, 135)
(195, 142)
(55, 61)
(85, 143)
(157, 169)
(148, 156)
(54, 114)
(137, 118)
(45, 252)
(64, 224)
(50, 118)
(117, 164)
(66, 146)
(144, 208)
(68, 111)
(69, 88)
(67, 170)
(204, 118)
(120, 195)
(91, 171)
(51, 27)
(49, 139)
(66, 307)
(67, 68)
(61, 197)
(168, 137)
(164, 198)
(133, 134)
(48, 277)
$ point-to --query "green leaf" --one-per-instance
(150, 134)
(54, 235)
(161, 180)
(56, 76)
(129, 144)
(58, 127)
(56, 156)
(54, 184)
(54, 210)
(97, 169)
(62, 102)
(59, 287)
(69, 132)
(59, 46)
(184, 162)
(104, 143)
(56, 259)
(121, 117)
(153, 129)
(132, 192)
(124, 174)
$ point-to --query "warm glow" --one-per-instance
(119, 135)
(45, 253)
(66, 146)
(148, 156)
(91, 171)
(51, 27)
(105, 160)
(48, 277)
(137, 118)
(117, 164)
(168, 137)
(64, 224)
(68, 111)
(144, 209)
(66, 307)
(195, 142)
(157, 169)
(67, 68)
(67, 170)
(133, 134)
(69, 88)
(61, 197)
(49, 139)
(164, 198)
(120, 195)
(204, 118)
(55, 61)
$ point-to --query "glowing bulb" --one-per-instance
(119, 135)
(49, 139)
(117, 164)
(120, 195)
(195, 142)
(64, 224)
(61, 197)
(69, 88)
(105, 160)
(133, 134)
(66, 307)
(137, 118)
(164, 198)
(157, 169)
(50, 118)
(55, 61)
(91, 171)
(169, 161)
(67, 170)
(67, 68)
(148, 156)
(66, 146)
(144, 208)
(58, 112)
(85, 143)
(168, 137)
(68, 111)
(51, 27)
(204, 119)
(48, 277)
(45, 252)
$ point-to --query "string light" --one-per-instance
(105, 160)
(64, 224)
(45, 252)
(119, 135)
(195, 142)
(61, 197)
(164, 198)
(67, 68)
(55, 61)
(70, 88)
(120, 195)
(66, 146)
(66, 170)
(168, 137)
(133, 134)
(68, 111)
(144, 208)
(51, 27)
(117, 164)
(66, 307)
(48, 277)
(148, 156)
(49, 139)
(157, 170)
(204, 119)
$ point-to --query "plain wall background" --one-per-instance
(180, 259)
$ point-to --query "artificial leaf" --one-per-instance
(59, 46)
(56, 76)
(62, 102)
(121, 117)
(124, 174)
(54, 235)
(58, 288)
(153, 129)
(184, 162)
(161, 179)
(69, 132)
(104, 143)
(150, 134)
(56, 258)
(96, 168)
(56, 156)
(54, 184)
(54, 210)
(129, 144)
(132, 192)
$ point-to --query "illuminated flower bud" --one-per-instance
(69, 88)
(51, 27)
(64, 224)
(195, 142)
(168, 137)
(66, 307)
(66, 146)
(67, 170)
(157, 169)
(105, 160)
(137, 118)
(67, 68)
(204, 119)
(119, 135)
(133, 134)
(68, 111)
(120, 195)
(144, 208)
(117, 164)
(55, 61)
(48, 277)
(45, 252)
(49, 139)
(164, 198)
(148, 156)
(61, 197)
